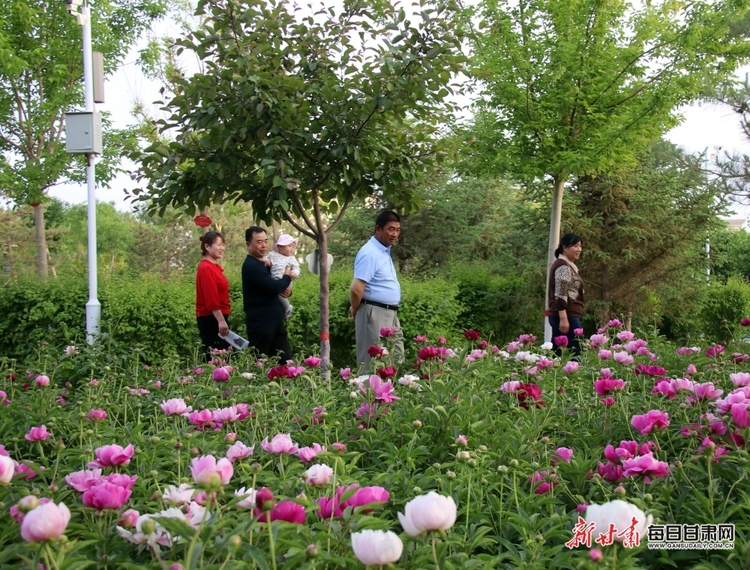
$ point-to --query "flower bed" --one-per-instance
(468, 457)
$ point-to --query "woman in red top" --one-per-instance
(212, 294)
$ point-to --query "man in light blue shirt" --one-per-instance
(375, 292)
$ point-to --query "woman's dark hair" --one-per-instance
(568, 240)
(208, 239)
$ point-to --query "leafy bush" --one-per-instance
(723, 307)
(500, 307)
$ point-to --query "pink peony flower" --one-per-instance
(614, 323)
(740, 378)
(706, 391)
(129, 518)
(609, 401)
(281, 443)
(209, 473)
(623, 357)
(220, 374)
(39, 433)
(420, 338)
(654, 419)
(112, 455)
(7, 469)
(96, 415)
(82, 481)
(571, 367)
(740, 415)
(610, 471)
(365, 496)
(690, 370)
(340, 447)
(42, 380)
(646, 466)
(105, 495)
(318, 475)
(578, 332)
(625, 336)
(175, 407)
(605, 354)
(345, 373)
(428, 512)
(385, 332)
(377, 547)
(202, 419)
(239, 451)
(46, 522)
(597, 340)
(225, 415)
(122, 480)
(307, 454)
(462, 440)
(565, 453)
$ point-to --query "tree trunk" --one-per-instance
(554, 239)
(325, 341)
(41, 242)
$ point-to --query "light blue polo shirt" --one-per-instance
(374, 266)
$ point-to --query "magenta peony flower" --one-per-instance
(714, 351)
(345, 373)
(375, 351)
(209, 473)
(105, 495)
(565, 453)
(281, 443)
(96, 415)
(472, 335)
(220, 374)
(385, 332)
(546, 480)
(313, 361)
(561, 340)
(39, 433)
(654, 419)
(745, 322)
(112, 455)
(287, 511)
(578, 332)
(610, 471)
(46, 522)
(740, 415)
(604, 386)
(420, 338)
(264, 499)
(609, 401)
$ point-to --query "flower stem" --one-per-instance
(271, 545)
(434, 550)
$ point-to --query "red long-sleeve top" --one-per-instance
(211, 289)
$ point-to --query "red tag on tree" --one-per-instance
(202, 220)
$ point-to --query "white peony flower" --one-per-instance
(620, 513)
(428, 512)
(377, 547)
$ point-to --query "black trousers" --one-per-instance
(208, 329)
(268, 336)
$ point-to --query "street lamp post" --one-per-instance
(93, 306)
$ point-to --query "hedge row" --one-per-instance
(157, 315)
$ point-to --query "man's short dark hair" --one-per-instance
(386, 216)
(252, 230)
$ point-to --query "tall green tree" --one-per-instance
(579, 87)
(299, 113)
(41, 72)
(644, 231)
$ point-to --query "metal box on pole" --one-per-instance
(83, 133)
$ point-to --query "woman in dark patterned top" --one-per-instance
(565, 303)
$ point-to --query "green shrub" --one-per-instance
(499, 307)
(723, 307)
